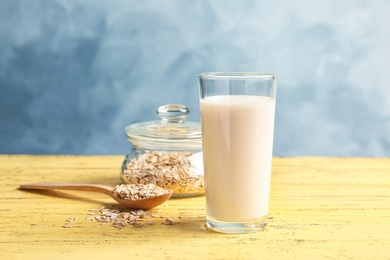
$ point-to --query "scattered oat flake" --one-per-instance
(120, 219)
(67, 225)
(169, 221)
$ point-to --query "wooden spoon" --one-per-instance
(145, 204)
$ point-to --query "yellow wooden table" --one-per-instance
(321, 208)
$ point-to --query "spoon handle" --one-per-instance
(68, 186)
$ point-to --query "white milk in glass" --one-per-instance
(237, 149)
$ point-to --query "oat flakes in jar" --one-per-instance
(167, 153)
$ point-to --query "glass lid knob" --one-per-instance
(173, 113)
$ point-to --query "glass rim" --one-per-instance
(237, 75)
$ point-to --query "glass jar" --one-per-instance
(167, 153)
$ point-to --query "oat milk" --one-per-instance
(237, 149)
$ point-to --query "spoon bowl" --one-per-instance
(145, 203)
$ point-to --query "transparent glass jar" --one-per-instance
(167, 153)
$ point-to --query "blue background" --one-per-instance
(73, 74)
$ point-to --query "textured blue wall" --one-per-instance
(73, 74)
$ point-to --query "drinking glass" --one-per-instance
(237, 119)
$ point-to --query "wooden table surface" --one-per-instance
(321, 208)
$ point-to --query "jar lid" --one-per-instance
(172, 132)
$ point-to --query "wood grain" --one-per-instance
(321, 208)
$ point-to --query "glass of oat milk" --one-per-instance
(237, 117)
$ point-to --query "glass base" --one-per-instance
(236, 227)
